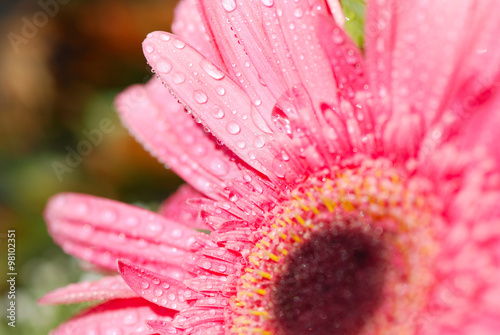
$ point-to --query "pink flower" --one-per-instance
(346, 193)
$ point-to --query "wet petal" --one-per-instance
(189, 26)
(121, 316)
(162, 291)
(425, 68)
(221, 106)
(106, 288)
(101, 231)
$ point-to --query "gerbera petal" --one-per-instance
(158, 121)
(238, 48)
(107, 288)
(188, 25)
(413, 94)
(163, 327)
(222, 106)
(101, 231)
(176, 208)
(121, 316)
(337, 12)
(297, 32)
(296, 23)
(163, 291)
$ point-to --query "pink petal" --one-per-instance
(295, 26)
(106, 288)
(295, 30)
(337, 12)
(198, 317)
(101, 231)
(163, 327)
(353, 119)
(425, 67)
(163, 291)
(176, 208)
(189, 26)
(156, 120)
(123, 316)
(222, 106)
(247, 54)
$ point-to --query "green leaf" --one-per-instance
(354, 11)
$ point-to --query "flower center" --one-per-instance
(330, 285)
(350, 253)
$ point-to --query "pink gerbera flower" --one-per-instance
(346, 193)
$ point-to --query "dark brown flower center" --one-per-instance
(331, 284)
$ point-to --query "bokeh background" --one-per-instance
(56, 81)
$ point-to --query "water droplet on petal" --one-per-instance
(158, 292)
(298, 13)
(259, 141)
(281, 120)
(200, 97)
(178, 78)
(212, 70)
(150, 49)
(268, 3)
(229, 5)
(233, 128)
(219, 167)
(109, 216)
(179, 44)
(130, 318)
(217, 112)
(144, 285)
(165, 37)
(163, 66)
(220, 90)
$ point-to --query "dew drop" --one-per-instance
(233, 128)
(200, 97)
(281, 120)
(217, 112)
(158, 292)
(220, 90)
(178, 78)
(163, 66)
(212, 70)
(149, 49)
(165, 37)
(179, 44)
(298, 13)
(259, 141)
(285, 156)
(130, 318)
(219, 167)
(109, 216)
(229, 5)
(268, 3)
(145, 285)
(240, 144)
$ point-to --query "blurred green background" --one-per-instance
(56, 81)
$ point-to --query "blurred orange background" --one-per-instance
(58, 81)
